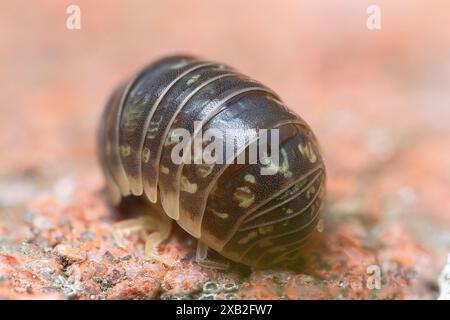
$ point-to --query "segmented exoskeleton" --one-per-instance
(253, 218)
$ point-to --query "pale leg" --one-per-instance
(202, 259)
(153, 230)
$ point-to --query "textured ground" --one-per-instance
(378, 101)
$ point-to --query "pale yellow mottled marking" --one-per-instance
(125, 150)
(145, 154)
(321, 191)
(250, 178)
(164, 170)
(284, 169)
(222, 215)
(171, 139)
(203, 170)
(265, 230)
(310, 192)
(193, 79)
(291, 191)
(248, 237)
(178, 65)
(244, 196)
(186, 186)
(307, 152)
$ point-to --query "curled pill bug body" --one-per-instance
(258, 213)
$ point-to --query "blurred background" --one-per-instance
(378, 100)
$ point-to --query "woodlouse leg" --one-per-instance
(201, 256)
(153, 231)
(154, 239)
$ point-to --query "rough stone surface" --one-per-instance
(444, 282)
(377, 100)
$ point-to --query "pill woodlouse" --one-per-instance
(255, 219)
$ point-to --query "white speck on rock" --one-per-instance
(444, 282)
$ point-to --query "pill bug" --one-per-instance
(255, 219)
